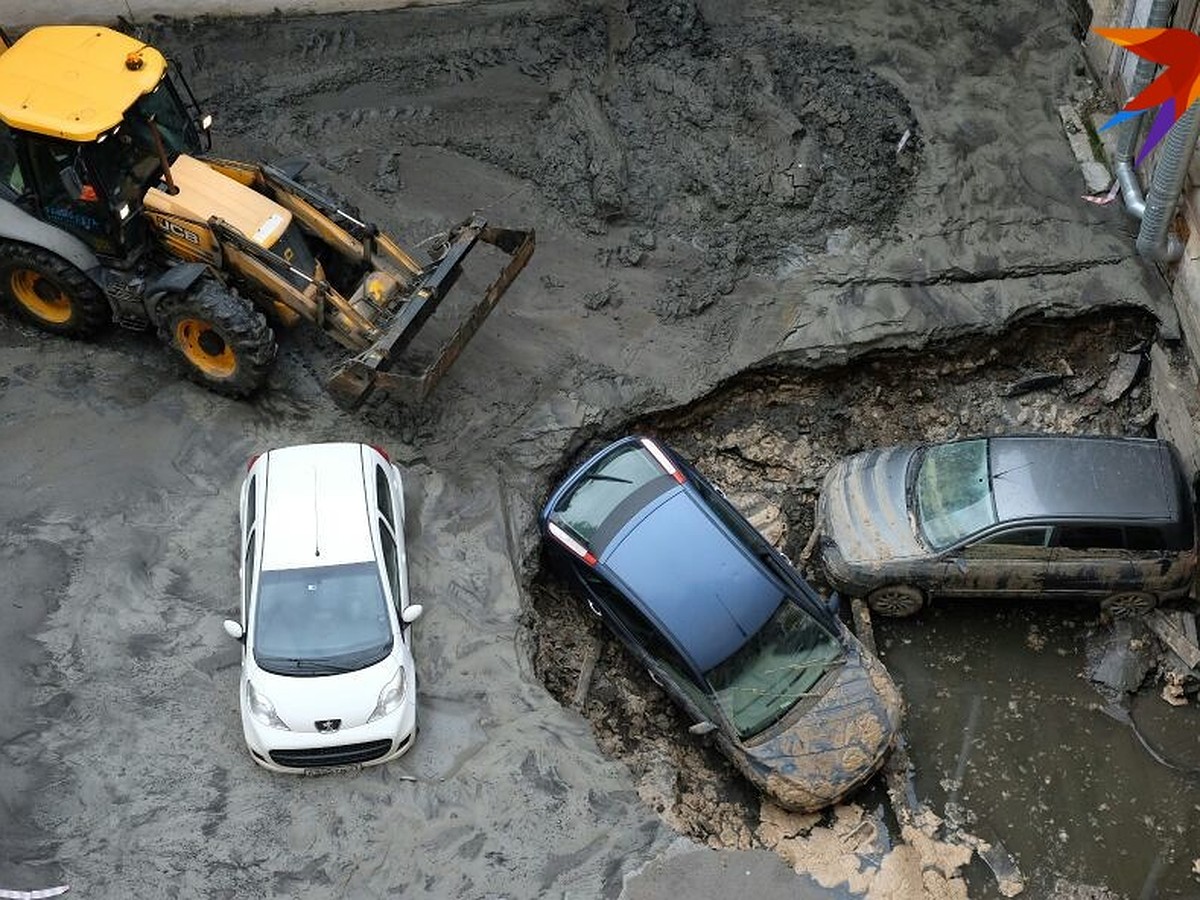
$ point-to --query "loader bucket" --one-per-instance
(355, 379)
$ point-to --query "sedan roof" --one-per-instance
(1077, 477)
(701, 586)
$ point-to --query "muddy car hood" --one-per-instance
(822, 752)
(863, 508)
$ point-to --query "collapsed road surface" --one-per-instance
(715, 190)
(1000, 720)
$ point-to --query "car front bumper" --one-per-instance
(307, 752)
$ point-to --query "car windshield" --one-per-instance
(601, 489)
(774, 669)
(321, 620)
(952, 492)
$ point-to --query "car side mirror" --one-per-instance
(234, 630)
(961, 564)
(833, 603)
(702, 728)
(411, 613)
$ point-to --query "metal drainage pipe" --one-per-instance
(1131, 187)
(1154, 239)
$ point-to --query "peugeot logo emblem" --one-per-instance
(327, 725)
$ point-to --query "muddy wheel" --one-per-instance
(224, 342)
(895, 600)
(51, 293)
(1128, 604)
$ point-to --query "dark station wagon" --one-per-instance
(1105, 518)
(723, 623)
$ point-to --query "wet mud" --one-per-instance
(718, 190)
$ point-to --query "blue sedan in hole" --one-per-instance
(723, 622)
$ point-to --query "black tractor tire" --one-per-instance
(223, 342)
(52, 294)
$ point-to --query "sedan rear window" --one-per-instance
(953, 492)
(774, 669)
(602, 488)
(321, 620)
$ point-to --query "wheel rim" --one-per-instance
(41, 296)
(203, 347)
(893, 602)
(1123, 605)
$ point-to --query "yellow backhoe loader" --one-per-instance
(112, 209)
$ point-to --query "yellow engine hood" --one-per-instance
(205, 193)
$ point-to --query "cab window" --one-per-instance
(67, 191)
(12, 181)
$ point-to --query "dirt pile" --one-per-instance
(740, 142)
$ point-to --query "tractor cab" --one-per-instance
(89, 118)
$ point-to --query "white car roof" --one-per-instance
(316, 506)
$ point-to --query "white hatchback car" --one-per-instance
(328, 680)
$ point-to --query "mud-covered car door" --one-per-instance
(1092, 560)
(1012, 561)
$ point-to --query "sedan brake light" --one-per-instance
(663, 460)
(380, 451)
(253, 459)
(571, 544)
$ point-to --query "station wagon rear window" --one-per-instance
(603, 487)
(952, 492)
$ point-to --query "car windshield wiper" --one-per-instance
(596, 476)
(317, 664)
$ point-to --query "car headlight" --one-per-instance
(262, 710)
(390, 697)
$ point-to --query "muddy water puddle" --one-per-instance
(1008, 737)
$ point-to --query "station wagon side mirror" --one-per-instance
(411, 613)
(234, 630)
(702, 728)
